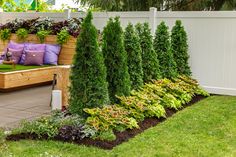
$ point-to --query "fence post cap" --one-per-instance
(153, 9)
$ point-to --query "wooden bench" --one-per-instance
(24, 78)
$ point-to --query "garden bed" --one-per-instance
(120, 136)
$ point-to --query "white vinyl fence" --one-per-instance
(211, 38)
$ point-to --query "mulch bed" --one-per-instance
(120, 136)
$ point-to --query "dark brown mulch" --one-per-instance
(120, 136)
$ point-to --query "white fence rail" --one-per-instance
(212, 40)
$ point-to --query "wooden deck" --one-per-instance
(24, 104)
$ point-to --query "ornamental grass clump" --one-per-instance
(89, 87)
(115, 59)
(133, 49)
(179, 48)
(150, 62)
(164, 53)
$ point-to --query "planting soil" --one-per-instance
(120, 136)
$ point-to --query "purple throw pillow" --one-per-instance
(14, 45)
(33, 57)
(17, 46)
(31, 47)
(51, 54)
(16, 54)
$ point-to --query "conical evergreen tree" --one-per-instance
(115, 60)
(149, 57)
(89, 87)
(133, 49)
(164, 53)
(180, 48)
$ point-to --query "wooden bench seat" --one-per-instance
(22, 78)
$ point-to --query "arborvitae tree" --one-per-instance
(180, 48)
(133, 49)
(164, 53)
(89, 87)
(115, 60)
(149, 57)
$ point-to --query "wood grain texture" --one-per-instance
(63, 83)
(26, 77)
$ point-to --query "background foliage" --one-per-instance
(134, 5)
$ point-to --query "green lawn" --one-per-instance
(8, 68)
(207, 129)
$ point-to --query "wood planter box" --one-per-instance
(29, 77)
(16, 79)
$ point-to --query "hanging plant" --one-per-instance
(63, 36)
(22, 34)
(5, 34)
(42, 35)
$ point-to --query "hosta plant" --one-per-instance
(143, 106)
(194, 84)
(110, 118)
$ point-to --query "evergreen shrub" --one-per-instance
(89, 87)
(180, 48)
(115, 60)
(149, 57)
(164, 53)
(133, 49)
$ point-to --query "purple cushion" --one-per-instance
(16, 54)
(33, 57)
(14, 45)
(31, 47)
(18, 46)
(51, 54)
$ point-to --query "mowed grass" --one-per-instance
(8, 68)
(207, 129)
